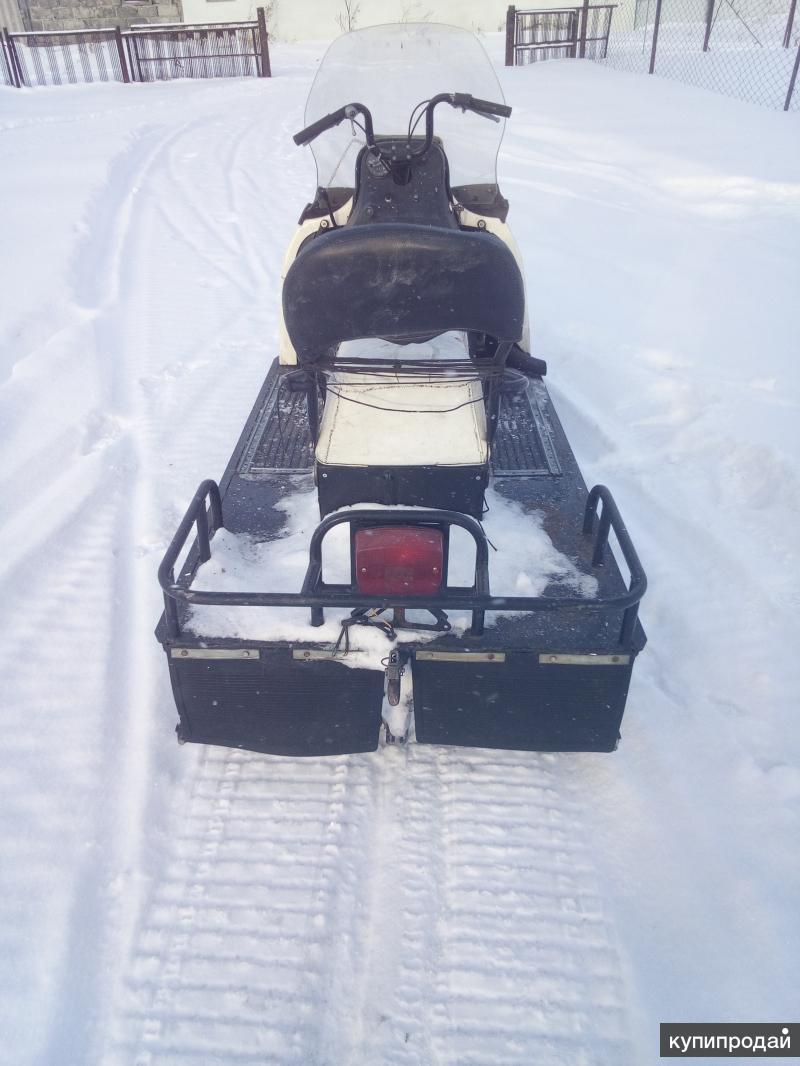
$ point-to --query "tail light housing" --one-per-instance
(407, 560)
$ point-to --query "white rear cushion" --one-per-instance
(391, 419)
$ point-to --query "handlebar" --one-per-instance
(349, 111)
(481, 107)
(466, 103)
(313, 131)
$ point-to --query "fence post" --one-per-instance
(134, 63)
(656, 24)
(511, 20)
(123, 61)
(13, 60)
(604, 46)
(709, 23)
(266, 71)
(787, 35)
(584, 24)
(792, 80)
(5, 59)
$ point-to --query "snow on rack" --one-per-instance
(524, 564)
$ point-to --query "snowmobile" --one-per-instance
(404, 397)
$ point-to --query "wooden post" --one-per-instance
(656, 24)
(123, 61)
(511, 21)
(266, 72)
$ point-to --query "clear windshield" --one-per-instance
(390, 69)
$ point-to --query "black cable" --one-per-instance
(327, 200)
(409, 380)
(415, 367)
(344, 635)
(363, 616)
(484, 511)
(491, 544)
(373, 148)
(421, 105)
(406, 410)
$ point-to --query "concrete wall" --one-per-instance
(97, 14)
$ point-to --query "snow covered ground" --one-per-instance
(166, 905)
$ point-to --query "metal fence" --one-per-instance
(557, 33)
(229, 50)
(749, 49)
(144, 53)
(63, 58)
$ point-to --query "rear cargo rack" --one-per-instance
(206, 514)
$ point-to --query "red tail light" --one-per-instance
(404, 559)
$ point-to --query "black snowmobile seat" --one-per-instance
(397, 281)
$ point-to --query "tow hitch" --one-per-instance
(394, 671)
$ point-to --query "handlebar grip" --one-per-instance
(318, 127)
(489, 108)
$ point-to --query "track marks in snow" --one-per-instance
(500, 951)
(72, 565)
(98, 266)
(415, 907)
(147, 322)
(237, 949)
(70, 590)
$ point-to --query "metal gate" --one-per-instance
(557, 33)
(144, 53)
(65, 58)
(225, 50)
(549, 34)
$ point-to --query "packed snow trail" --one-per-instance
(413, 912)
(420, 905)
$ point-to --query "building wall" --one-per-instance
(10, 15)
(297, 20)
(221, 10)
(97, 14)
